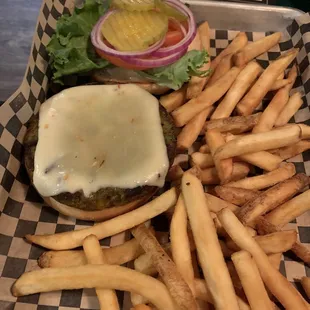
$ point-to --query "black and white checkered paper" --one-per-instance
(22, 210)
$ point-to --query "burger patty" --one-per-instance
(105, 197)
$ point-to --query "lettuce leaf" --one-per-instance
(70, 49)
(178, 73)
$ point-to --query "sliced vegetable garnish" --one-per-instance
(134, 31)
(151, 57)
(134, 5)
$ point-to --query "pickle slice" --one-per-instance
(134, 5)
(134, 31)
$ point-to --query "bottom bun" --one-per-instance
(101, 215)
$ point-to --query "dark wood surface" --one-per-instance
(17, 23)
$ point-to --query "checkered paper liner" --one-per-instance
(23, 211)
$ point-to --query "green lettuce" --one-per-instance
(178, 73)
(70, 49)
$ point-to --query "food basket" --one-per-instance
(23, 210)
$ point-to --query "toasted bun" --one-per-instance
(101, 215)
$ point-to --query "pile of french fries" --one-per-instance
(226, 234)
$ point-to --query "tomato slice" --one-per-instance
(119, 62)
(172, 38)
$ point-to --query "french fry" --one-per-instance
(305, 282)
(213, 266)
(278, 84)
(216, 204)
(274, 108)
(196, 171)
(201, 160)
(242, 83)
(196, 84)
(176, 285)
(288, 211)
(275, 260)
(236, 45)
(180, 247)
(117, 255)
(192, 129)
(173, 100)
(137, 300)
(251, 280)
(284, 172)
(259, 142)
(277, 242)
(301, 251)
(222, 68)
(305, 131)
(283, 290)
(262, 159)
(175, 173)
(252, 50)
(236, 196)
(204, 149)
(258, 91)
(141, 307)
(224, 168)
(207, 98)
(195, 44)
(91, 276)
(202, 292)
(144, 265)
(289, 110)
(73, 239)
(272, 198)
(292, 150)
(95, 256)
(227, 252)
(209, 176)
(234, 125)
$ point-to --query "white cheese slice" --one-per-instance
(92, 137)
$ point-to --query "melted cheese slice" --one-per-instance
(92, 137)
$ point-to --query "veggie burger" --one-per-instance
(96, 151)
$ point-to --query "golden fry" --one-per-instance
(283, 290)
(251, 280)
(289, 110)
(258, 91)
(259, 142)
(305, 282)
(207, 98)
(91, 276)
(73, 239)
(213, 266)
(216, 204)
(203, 161)
(192, 129)
(117, 255)
(176, 285)
(236, 196)
(278, 84)
(241, 85)
(274, 108)
(222, 68)
(173, 100)
(272, 198)
(305, 131)
(180, 247)
(252, 50)
(262, 159)
(292, 150)
(284, 172)
(234, 125)
(288, 211)
(204, 149)
(224, 168)
(95, 256)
